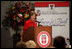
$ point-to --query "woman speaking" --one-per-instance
(28, 31)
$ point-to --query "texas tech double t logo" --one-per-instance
(43, 39)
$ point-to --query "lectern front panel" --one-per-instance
(43, 36)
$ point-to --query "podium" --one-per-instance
(28, 34)
(42, 36)
(41, 32)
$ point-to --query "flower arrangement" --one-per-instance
(19, 13)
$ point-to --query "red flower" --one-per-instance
(22, 10)
(26, 12)
(21, 17)
(20, 4)
(14, 16)
(14, 24)
(35, 18)
(16, 11)
(21, 20)
(29, 5)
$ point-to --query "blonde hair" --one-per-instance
(30, 44)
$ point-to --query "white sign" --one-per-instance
(56, 15)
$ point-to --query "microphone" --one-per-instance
(37, 21)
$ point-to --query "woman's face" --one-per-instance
(33, 17)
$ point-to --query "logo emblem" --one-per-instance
(43, 39)
(51, 6)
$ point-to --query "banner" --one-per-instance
(55, 14)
